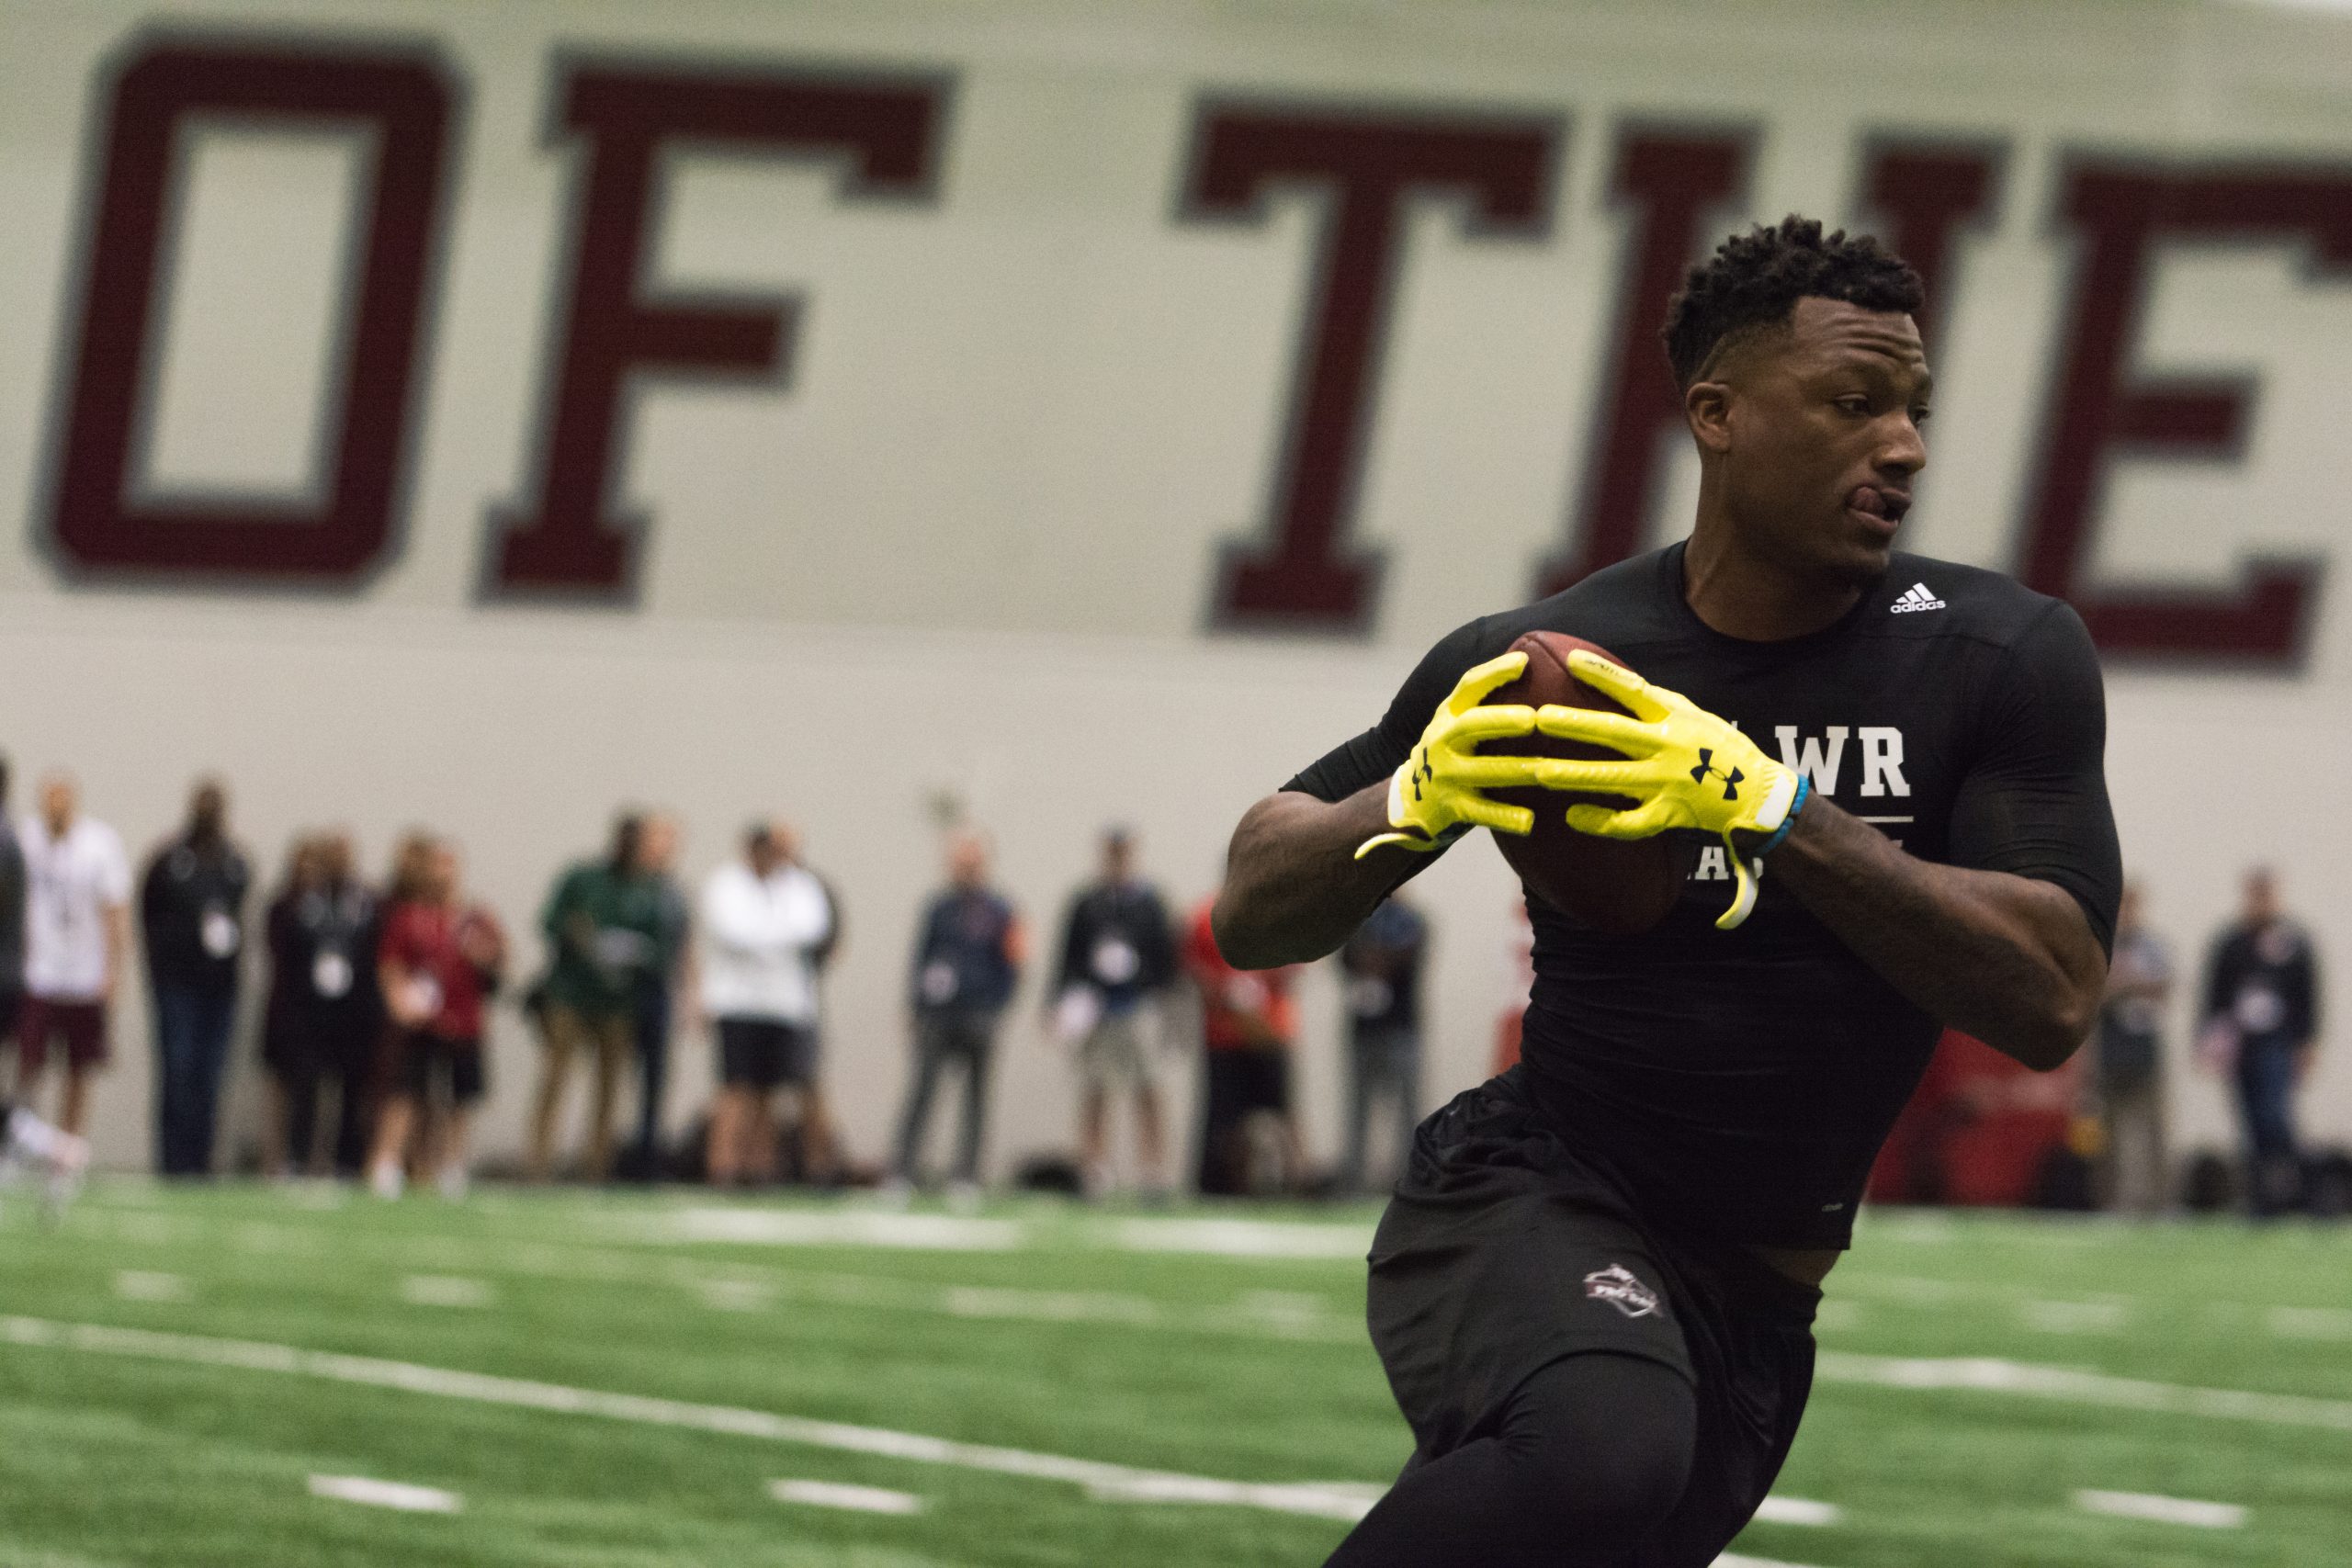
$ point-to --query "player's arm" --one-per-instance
(2008, 958)
(1309, 863)
(2008, 942)
(1293, 889)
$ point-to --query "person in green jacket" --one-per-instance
(609, 935)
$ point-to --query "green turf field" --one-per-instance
(588, 1381)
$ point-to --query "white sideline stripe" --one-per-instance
(1244, 1239)
(445, 1290)
(839, 1495)
(386, 1494)
(1982, 1375)
(2164, 1510)
(1779, 1510)
(486, 1388)
(851, 1228)
(1731, 1560)
(951, 1233)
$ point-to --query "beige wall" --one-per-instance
(968, 547)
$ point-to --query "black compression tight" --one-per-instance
(1593, 1453)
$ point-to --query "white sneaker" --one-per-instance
(964, 1197)
(894, 1193)
(386, 1180)
(453, 1183)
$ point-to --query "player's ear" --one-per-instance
(1706, 406)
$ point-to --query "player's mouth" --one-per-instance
(1879, 508)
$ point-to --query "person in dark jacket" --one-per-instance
(325, 1012)
(192, 918)
(2262, 1014)
(1117, 955)
(967, 960)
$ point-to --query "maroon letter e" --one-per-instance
(403, 97)
(884, 133)
(1302, 578)
(2125, 213)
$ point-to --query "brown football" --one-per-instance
(1619, 887)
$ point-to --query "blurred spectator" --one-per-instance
(1383, 963)
(2261, 1012)
(659, 985)
(967, 959)
(12, 918)
(323, 1019)
(192, 920)
(608, 928)
(27, 1141)
(1249, 1022)
(1117, 954)
(769, 927)
(2128, 1063)
(78, 939)
(438, 960)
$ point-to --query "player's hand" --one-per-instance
(1684, 768)
(1437, 794)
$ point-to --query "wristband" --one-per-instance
(1804, 793)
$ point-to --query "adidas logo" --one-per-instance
(1916, 597)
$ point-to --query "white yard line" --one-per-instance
(2310, 1323)
(837, 1494)
(2162, 1510)
(1095, 1475)
(1779, 1510)
(1732, 1560)
(149, 1285)
(2073, 1317)
(397, 1494)
(1983, 1375)
(446, 1290)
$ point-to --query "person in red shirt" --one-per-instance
(1249, 1019)
(438, 960)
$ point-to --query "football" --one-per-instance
(1619, 887)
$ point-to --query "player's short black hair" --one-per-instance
(1754, 281)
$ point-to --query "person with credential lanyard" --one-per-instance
(192, 916)
(1117, 954)
(325, 1013)
(2261, 1028)
(968, 957)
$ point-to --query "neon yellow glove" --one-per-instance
(1685, 768)
(1435, 796)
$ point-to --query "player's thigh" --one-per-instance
(1469, 1297)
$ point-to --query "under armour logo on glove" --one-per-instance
(1732, 780)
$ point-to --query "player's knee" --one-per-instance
(1602, 1450)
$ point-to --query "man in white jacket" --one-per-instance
(769, 925)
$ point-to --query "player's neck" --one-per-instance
(1755, 598)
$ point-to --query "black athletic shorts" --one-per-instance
(764, 1053)
(1247, 1078)
(421, 1057)
(1502, 1252)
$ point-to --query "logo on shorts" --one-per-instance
(1618, 1287)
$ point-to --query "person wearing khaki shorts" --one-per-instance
(1117, 957)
